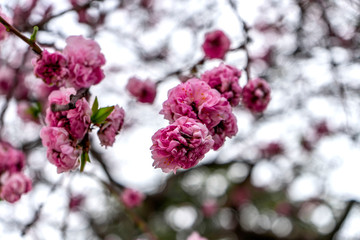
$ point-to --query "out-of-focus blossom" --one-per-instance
(76, 201)
(52, 68)
(75, 121)
(216, 44)
(25, 112)
(111, 127)
(182, 144)
(3, 32)
(14, 186)
(271, 149)
(225, 79)
(196, 236)
(7, 76)
(11, 159)
(143, 91)
(84, 62)
(209, 208)
(61, 151)
(256, 95)
(132, 198)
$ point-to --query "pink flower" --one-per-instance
(84, 61)
(225, 79)
(11, 159)
(182, 144)
(25, 112)
(112, 127)
(216, 44)
(14, 186)
(196, 236)
(131, 198)
(75, 202)
(196, 99)
(256, 95)
(272, 149)
(75, 121)
(143, 91)
(61, 151)
(209, 208)
(3, 32)
(7, 76)
(226, 128)
(52, 68)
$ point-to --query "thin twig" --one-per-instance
(34, 46)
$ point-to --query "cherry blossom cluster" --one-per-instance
(200, 110)
(65, 133)
(78, 66)
(69, 121)
(200, 116)
(13, 182)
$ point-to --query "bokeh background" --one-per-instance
(290, 172)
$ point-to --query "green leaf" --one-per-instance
(95, 106)
(100, 116)
(33, 35)
(84, 158)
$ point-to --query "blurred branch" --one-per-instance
(341, 221)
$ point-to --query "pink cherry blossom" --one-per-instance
(7, 76)
(225, 79)
(24, 111)
(196, 99)
(111, 127)
(76, 201)
(216, 44)
(143, 91)
(226, 128)
(11, 159)
(209, 208)
(84, 61)
(61, 150)
(132, 198)
(182, 144)
(75, 121)
(196, 236)
(52, 68)
(256, 95)
(14, 186)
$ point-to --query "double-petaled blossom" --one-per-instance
(225, 79)
(216, 44)
(131, 198)
(11, 159)
(14, 185)
(52, 68)
(75, 121)
(181, 144)
(84, 62)
(60, 149)
(196, 236)
(111, 127)
(256, 95)
(226, 128)
(143, 91)
(196, 99)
